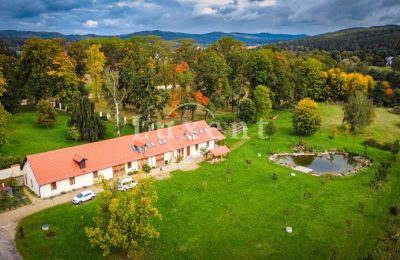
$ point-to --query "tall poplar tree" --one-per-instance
(95, 65)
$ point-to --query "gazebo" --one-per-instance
(219, 152)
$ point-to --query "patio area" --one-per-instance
(188, 164)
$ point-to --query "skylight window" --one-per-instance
(162, 141)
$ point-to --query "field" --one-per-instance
(235, 210)
(25, 136)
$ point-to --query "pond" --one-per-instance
(337, 163)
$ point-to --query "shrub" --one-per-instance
(7, 160)
(274, 176)
(393, 147)
(333, 133)
(247, 111)
(73, 133)
(306, 118)
(395, 110)
(382, 174)
(393, 210)
(307, 195)
(46, 115)
(270, 129)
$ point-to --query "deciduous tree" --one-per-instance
(306, 117)
(358, 111)
(247, 111)
(262, 102)
(125, 222)
(95, 65)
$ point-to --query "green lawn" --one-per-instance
(232, 211)
(25, 136)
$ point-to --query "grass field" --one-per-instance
(235, 211)
(25, 136)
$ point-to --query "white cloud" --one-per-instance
(91, 23)
(136, 4)
(204, 11)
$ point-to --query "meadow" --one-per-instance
(237, 210)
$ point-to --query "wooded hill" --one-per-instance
(371, 44)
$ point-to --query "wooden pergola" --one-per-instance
(219, 152)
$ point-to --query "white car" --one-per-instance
(84, 196)
(126, 184)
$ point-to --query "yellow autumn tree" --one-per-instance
(63, 70)
(306, 117)
(3, 82)
(95, 65)
(357, 82)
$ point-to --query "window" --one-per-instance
(31, 183)
(208, 144)
(95, 174)
(72, 181)
(53, 185)
(129, 165)
(197, 147)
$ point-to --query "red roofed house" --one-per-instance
(54, 172)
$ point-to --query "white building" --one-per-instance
(51, 173)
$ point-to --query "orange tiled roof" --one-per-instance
(219, 151)
(61, 164)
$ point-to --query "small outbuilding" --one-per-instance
(218, 153)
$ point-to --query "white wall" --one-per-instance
(64, 185)
(106, 173)
(134, 166)
(152, 161)
(30, 177)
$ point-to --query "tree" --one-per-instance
(211, 71)
(306, 117)
(146, 168)
(262, 102)
(3, 113)
(63, 71)
(247, 111)
(46, 115)
(114, 93)
(34, 63)
(138, 75)
(204, 151)
(95, 65)
(73, 133)
(396, 63)
(125, 222)
(86, 120)
(11, 99)
(358, 112)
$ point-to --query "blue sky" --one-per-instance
(109, 17)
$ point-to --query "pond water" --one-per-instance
(320, 164)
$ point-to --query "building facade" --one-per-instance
(51, 173)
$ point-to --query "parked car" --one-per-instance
(84, 196)
(126, 184)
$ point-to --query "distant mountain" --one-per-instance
(202, 39)
(382, 40)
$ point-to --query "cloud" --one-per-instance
(110, 17)
(91, 23)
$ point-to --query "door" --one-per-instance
(188, 151)
(119, 170)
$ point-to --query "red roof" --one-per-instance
(220, 151)
(61, 164)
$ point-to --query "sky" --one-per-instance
(108, 17)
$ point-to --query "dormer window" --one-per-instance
(80, 160)
(162, 141)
